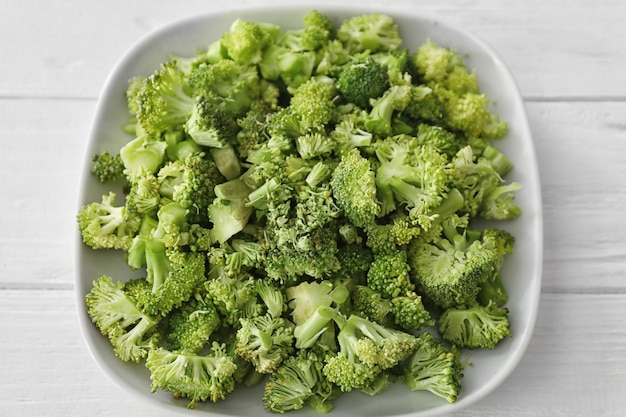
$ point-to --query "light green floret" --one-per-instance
(265, 341)
(132, 332)
(434, 368)
(196, 377)
(354, 189)
(475, 327)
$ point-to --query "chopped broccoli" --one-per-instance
(298, 383)
(354, 189)
(298, 203)
(105, 225)
(389, 274)
(132, 332)
(165, 100)
(107, 167)
(362, 81)
(245, 41)
(435, 368)
(265, 341)
(191, 325)
(476, 326)
(196, 377)
(372, 32)
(450, 270)
(365, 350)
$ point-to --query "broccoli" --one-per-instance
(362, 81)
(114, 311)
(435, 368)
(389, 274)
(412, 175)
(478, 178)
(196, 377)
(476, 326)
(354, 189)
(107, 167)
(493, 288)
(265, 341)
(190, 326)
(229, 85)
(210, 125)
(365, 350)
(300, 382)
(349, 132)
(144, 154)
(373, 32)
(105, 225)
(450, 270)
(165, 100)
(313, 104)
(298, 206)
(381, 118)
(246, 41)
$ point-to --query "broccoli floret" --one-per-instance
(355, 259)
(272, 296)
(371, 32)
(265, 341)
(349, 132)
(398, 232)
(107, 167)
(253, 128)
(105, 225)
(389, 274)
(484, 190)
(305, 298)
(229, 212)
(435, 368)
(370, 304)
(144, 195)
(209, 125)
(132, 332)
(165, 100)
(196, 377)
(291, 67)
(365, 350)
(332, 58)
(191, 325)
(409, 313)
(234, 296)
(362, 81)
(314, 145)
(493, 289)
(476, 326)
(354, 189)
(245, 41)
(312, 104)
(174, 275)
(190, 183)
(144, 154)
(229, 85)
(411, 175)
(316, 32)
(450, 270)
(298, 383)
(381, 117)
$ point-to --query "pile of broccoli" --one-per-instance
(302, 203)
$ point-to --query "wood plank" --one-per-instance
(577, 355)
(74, 47)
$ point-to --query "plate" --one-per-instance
(521, 273)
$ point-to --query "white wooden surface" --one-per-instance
(569, 58)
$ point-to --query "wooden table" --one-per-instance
(569, 58)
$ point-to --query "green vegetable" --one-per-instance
(301, 208)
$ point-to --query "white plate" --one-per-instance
(522, 270)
